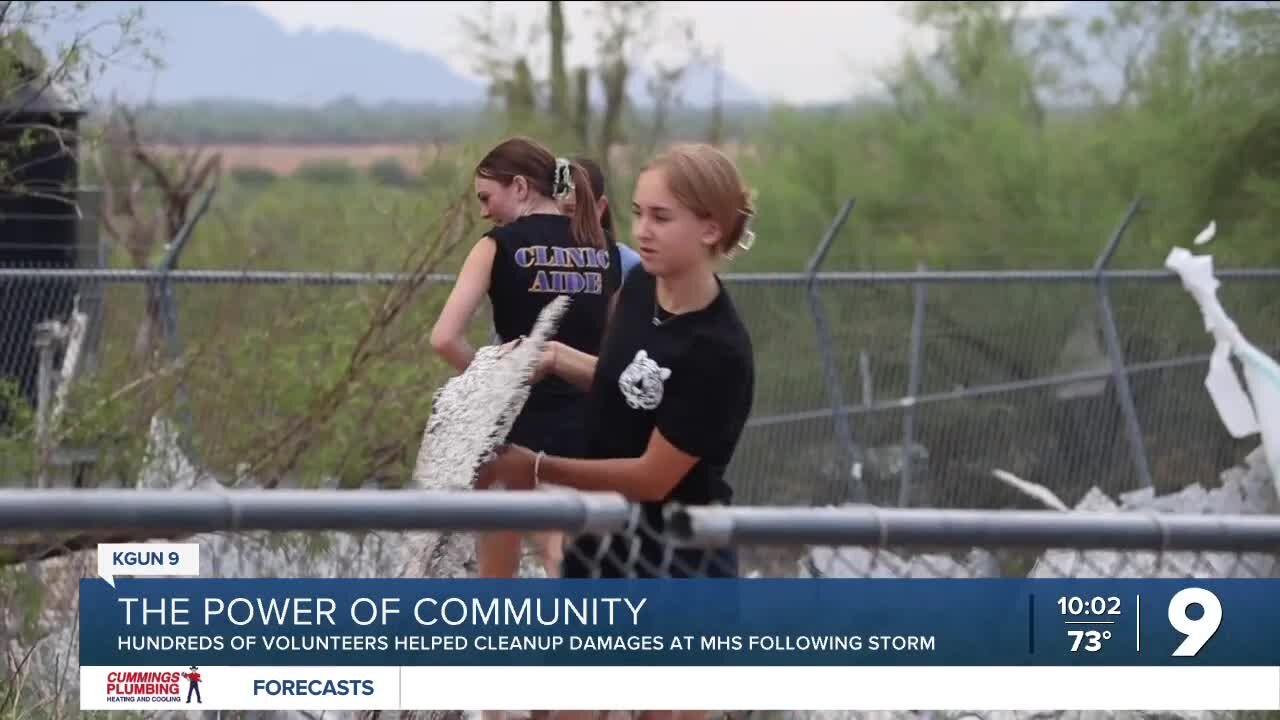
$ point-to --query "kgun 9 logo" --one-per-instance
(1198, 630)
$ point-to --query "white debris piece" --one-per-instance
(471, 416)
(857, 562)
(165, 465)
(473, 412)
(1207, 234)
(1039, 492)
(1258, 411)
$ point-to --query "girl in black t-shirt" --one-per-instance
(532, 255)
(672, 387)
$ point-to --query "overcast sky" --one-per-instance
(793, 51)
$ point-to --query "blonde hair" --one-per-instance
(707, 182)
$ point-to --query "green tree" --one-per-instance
(582, 113)
(715, 128)
(559, 75)
(521, 101)
(326, 172)
(32, 82)
(252, 175)
(390, 171)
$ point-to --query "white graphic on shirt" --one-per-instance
(641, 382)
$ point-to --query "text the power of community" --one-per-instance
(363, 611)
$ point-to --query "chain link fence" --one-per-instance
(978, 376)
(909, 389)
(901, 389)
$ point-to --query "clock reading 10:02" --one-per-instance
(1091, 606)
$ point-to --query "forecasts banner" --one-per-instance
(328, 643)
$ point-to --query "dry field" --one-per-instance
(284, 159)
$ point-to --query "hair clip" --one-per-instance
(747, 239)
(562, 183)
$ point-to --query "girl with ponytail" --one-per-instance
(533, 254)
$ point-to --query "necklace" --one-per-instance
(658, 313)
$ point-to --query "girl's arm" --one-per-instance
(447, 337)
(648, 478)
(707, 402)
(569, 364)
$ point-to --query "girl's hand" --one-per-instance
(512, 468)
(545, 366)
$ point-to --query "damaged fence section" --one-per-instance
(1226, 529)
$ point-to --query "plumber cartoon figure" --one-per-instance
(193, 679)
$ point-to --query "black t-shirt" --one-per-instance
(691, 376)
(537, 260)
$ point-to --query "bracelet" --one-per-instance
(537, 463)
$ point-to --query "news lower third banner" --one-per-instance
(388, 644)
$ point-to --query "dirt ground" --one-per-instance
(284, 159)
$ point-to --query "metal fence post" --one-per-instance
(46, 337)
(161, 293)
(91, 293)
(913, 387)
(1119, 371)
(852, 457)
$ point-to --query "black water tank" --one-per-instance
(38, 221)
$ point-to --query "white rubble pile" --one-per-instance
(1248, 490)
(857, 562)
(1005, 715)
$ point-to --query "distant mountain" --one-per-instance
(218, 51)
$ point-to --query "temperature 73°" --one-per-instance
(1089, 640)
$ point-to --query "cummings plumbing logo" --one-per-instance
(144, 686)
(152, 686)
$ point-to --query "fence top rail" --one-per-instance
(151, 511)
(869, 277)
(890, 527)
(216, 277)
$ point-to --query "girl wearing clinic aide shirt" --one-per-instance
(671, 390)
(533, 254)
